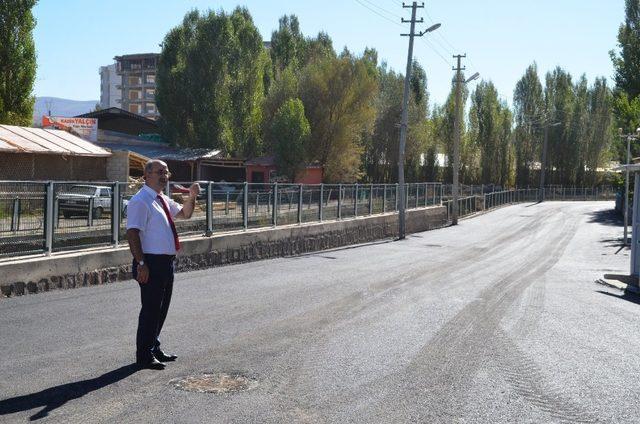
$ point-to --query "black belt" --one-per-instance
(167, 257)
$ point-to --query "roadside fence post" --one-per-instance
(209, 209)
(355, 201)
(56, 213)
(274, 210)
(257, 201)
(396, 196)
(245, 205)
(15, 216)
(48, 222)
(115, 214)
(339, 201)
(321, 201)
(300, 191)
(426, 194)
(90, 214)
(406, 196)
(384, 198)
(370, 199)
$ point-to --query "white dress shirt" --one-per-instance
(145, 213)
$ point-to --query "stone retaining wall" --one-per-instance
(102, 266)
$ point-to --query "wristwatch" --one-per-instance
(141, 263)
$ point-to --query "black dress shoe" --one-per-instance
(152, 364)
(163, 357)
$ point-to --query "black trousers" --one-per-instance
(155, 295)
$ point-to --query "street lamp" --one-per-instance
(431, 28)
(472, 77)
(543, 163)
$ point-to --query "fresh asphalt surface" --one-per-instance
(497, 320)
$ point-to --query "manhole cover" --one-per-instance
(217, 383)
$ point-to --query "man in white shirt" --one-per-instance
(154, 242)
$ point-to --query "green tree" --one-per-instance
(562, 151)
(579, 129)
(627, 63)
(318, 48)
(600, 110)
(381, 149)
(211, 82)
(17, 62)
(490, 121)
(443, 132)
(381, 146)
(291, 130)
(338, 96)
(283, 88)
(288, 45)
(529, 111)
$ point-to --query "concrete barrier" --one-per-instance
(107, 265)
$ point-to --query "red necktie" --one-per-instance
(173, 226)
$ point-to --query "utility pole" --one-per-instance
(405, 118)
(456, 138)
(400, 194)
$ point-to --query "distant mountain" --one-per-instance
(60, 107)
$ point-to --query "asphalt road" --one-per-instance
(497, 320)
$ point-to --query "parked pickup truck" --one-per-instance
(75, 201)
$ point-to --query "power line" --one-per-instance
(427, 42)
(378, 13)
(383, 9)
(441, 35)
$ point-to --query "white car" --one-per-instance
(75, 201)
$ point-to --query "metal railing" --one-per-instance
(45, 217)
(470, 205)
(554, 192)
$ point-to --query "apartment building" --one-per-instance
(138, 83)
(110, 95)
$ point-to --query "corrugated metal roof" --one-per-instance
(15, 139)
(157, 150)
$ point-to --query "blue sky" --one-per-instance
(501, 38)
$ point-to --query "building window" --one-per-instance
(135, 80)
(151, 108)
(150, 93)
(151, 78)
(134, 108)
(134, 95)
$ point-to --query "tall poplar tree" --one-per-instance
(210, 84)
(627, 62)
(528, 103)
(17, 62)
(338, 96)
